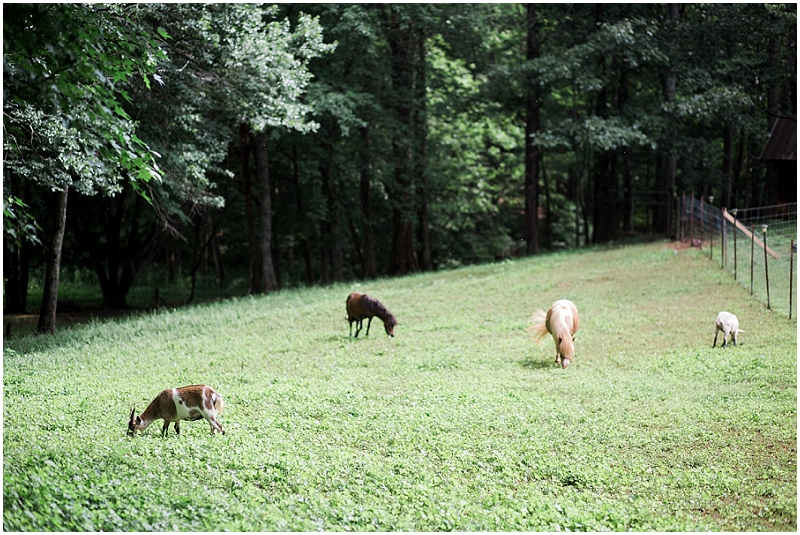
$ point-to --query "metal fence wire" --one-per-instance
(756, 246)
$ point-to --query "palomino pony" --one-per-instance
(360, 306)
(562, 322)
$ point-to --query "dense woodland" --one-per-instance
(312, 143)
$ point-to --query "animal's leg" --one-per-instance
(215, 425)
(716, 333)
(359, 323)
(178, 427)
(219, 426)
(165, 428)
(368, 324)
(351, 326)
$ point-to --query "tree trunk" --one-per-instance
(16, 259)
(532, 125)
(627, 181)
(265, 242)
(323, 251)
(337, 262)
(773, 110)
(357, 258)
(252, 242)
(737, 170)
(402, 259)
(305, 243)
(663, 221)
(118, 261)
(218, 266)
(172, 262)
(113, 239)
(606, 183)
(774, 90)
(623, 98)
(137, 253)
(421, 127)
(370, 270)
(606, 220)
(16, 272)
(548, 215)
(727, 148)
(198, 255)
(47, 312)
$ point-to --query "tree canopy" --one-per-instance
(326, 142)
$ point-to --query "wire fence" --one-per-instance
(756, 246)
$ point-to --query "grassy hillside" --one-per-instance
(460, 422)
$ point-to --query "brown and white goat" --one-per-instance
(175, 404)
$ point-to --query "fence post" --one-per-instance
(791, 275)
(766, 269)
(683, 216)
(752, 249)
(724, 240)
(711, 228)
(702, 222)
(734, 212)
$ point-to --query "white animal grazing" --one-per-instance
(176, 404)
(728, 324)
(562, 322)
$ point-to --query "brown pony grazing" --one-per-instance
(360, 306)
(562, 322)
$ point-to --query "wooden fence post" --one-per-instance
(711, 228)
(791, 275)
(734, 212)
(724, 242)
(766, 268)
(752, 248)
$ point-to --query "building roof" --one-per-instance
(782, 142)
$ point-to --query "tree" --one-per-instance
(227, 70)
(668, 160)
(63, 121)
(532, 126)
(268, 73)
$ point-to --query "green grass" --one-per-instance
(460, 422)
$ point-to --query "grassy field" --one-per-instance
(460, 422)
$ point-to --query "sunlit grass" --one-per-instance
(460, 422)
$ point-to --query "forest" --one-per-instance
(306, 144)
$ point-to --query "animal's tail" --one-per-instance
(537, 328)
(219, 404)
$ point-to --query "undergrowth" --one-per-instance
(460, 422)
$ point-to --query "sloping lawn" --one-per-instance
(460, 422)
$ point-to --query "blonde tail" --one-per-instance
(537, 328)
(219, 404)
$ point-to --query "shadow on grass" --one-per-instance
(537, 364)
